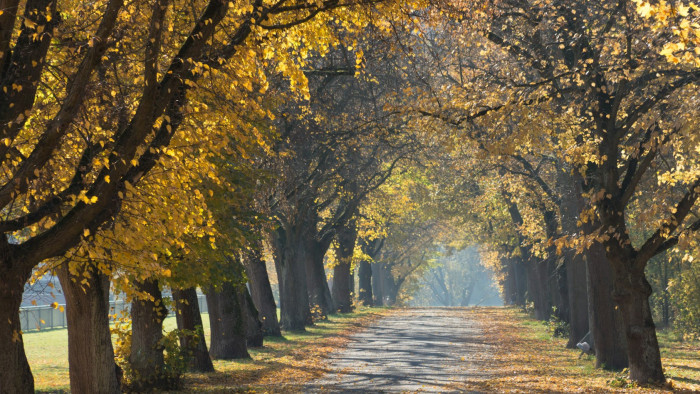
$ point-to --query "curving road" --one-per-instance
(425, 349)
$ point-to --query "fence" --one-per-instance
(46, 317)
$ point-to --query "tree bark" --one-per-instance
(509, 282)
(343, 283)
(228, 323)
(295, 313)
(570, 208)
(390, 288)
(538, 286)
(90, 351)
(631, 292)
(15, 374)
(377, 284)
(146, 359)
(189, 318)
(578, 298)
(254, 327)
(520, 281)
(364, 275)
(643, 347)
(381, 285)
(605, 321)
(320, 298)
(261, 291)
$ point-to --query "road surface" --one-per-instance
(425, 349)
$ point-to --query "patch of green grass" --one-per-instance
(47, 352)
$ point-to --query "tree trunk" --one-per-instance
(261, 291)
(15, 374)
(189, 318)
(604, 320)
(320, 298)
(389, 287)
(538, 287)
(509, 282)
(228, 323)
(558, 273)
(291, 273)
(578, 298)
(254, 327)
(381, 284)
(364, 275)
(343, 284)
(146, 359)
(378, 284)
(90, 352)
(643, 347)
(520, 281)
(570, 208)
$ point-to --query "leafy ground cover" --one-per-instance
(293, 359)
(523, 356)
(527, 358)
(284, 364)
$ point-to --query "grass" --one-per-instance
(527, 358)
(292, 359)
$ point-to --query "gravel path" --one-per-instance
(422, 349)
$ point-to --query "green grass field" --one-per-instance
(47, 352)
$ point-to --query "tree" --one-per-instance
(606, 71)
(62, 178)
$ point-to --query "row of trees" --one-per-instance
(577, 135)
(172, 144)
(160, 145)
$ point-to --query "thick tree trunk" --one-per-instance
(254, 327)
(578, 298)
(643, 347)
(570, 208)
(520, 281)
(228, 323)
(389, 287)
(560, 283)
(90, 352)
(343, 284)
(377, 284)
(146, 359)
(189, 318)
(605, 321)
(631, 292)
(364, 275)
(538, 287)
(320, 298)
(382, 284)
(15, 374)
(509, 284)
(261, 291)
(291, 273)
(342, 295)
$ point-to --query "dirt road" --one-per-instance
(426, 349)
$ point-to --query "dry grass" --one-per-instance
(526, 358)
